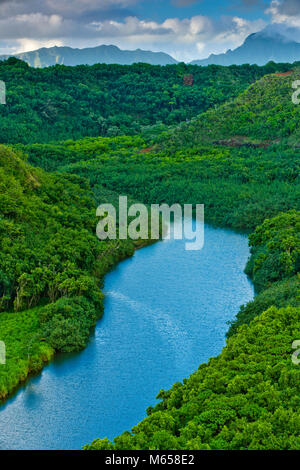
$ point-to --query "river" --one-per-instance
(165, 313)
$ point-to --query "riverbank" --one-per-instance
(248, 192)
(166, 310)
(239, 399)
(24, 328)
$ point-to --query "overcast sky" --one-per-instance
(186, 29)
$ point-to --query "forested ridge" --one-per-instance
(246, 174)
(263, 114)
(60, 102)
(240, 187)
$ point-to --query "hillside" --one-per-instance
(51, 265)
(258, 48)
(60, 103)
(241, 160)
(261, 116)
(240, 399)
(46, 57)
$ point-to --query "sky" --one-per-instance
(186, 29)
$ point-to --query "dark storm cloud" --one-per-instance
(289, 7)
(184, 3)
(80, 9)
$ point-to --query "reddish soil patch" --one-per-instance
(284, 74)
(188, 80)
(146, 150)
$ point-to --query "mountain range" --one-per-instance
(46, 57)
(271, 44)
(258, 48)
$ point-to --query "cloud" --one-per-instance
(67, 8)
(79, 8)
(184, 3)
(185, 39)
(285, 12)
(86, 23)
(289, 7)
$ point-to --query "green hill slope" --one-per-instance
(262, 115)
(51, 265)
(60, 102)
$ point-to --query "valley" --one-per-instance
(56, 170)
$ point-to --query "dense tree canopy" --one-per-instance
(50, 259)
(59, 102)
(241, 159)
(246, 398)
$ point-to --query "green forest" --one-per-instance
(75, 137)
(59, 102)
(51, 266)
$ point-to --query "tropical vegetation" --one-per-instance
(230, 140)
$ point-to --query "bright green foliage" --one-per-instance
(47, 240)
(263, 114)
(49, 255)
(275, 248)
(66, 324)
(246, 398)
(280, 294)
(59, 103)
(239, 187)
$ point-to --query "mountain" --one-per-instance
(45, 57)
(271, 44)
(258, 48)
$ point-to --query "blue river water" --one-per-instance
(165, 313)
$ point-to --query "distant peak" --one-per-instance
(103, 54)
